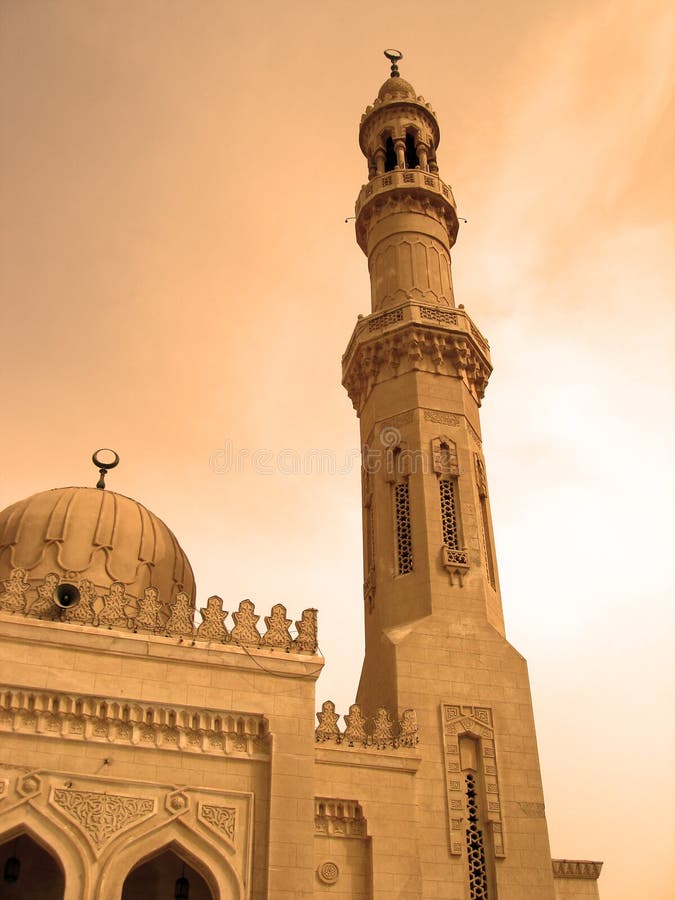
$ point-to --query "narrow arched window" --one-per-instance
(445, 465)
(476, 832)
(389, 155)
(411, 158)
(404, 549)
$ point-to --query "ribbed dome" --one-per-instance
(396, 89)
(84, 533)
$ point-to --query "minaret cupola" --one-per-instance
(406, 220)
(400, 130)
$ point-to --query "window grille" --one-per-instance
(478, 878)
(449, 514)
(404, 555)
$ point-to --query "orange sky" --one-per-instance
(177, 277)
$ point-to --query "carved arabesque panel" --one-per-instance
(221, 819)
(101, 816)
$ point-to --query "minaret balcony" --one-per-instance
(405, 185)
(404, 178)
(415, 336)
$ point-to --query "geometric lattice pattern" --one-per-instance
(404, 554)
(449, 514)
(478, 883)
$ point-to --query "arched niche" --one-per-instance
(207, 858)
(155, 879)
(27, 824)
(28, 871)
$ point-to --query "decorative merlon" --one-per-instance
(82, 717)
(576, 868)
(381, 731)
(149, 614)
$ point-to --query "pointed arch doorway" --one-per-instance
(159, 878)
(28, 871)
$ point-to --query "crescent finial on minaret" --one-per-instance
(394, 56)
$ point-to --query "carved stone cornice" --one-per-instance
(405, 191)
(576, 868)
(339, 818)
(414, 337)
(82, 717)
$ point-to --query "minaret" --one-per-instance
(416, 369)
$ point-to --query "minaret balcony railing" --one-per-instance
(411, 311)
(404, 178)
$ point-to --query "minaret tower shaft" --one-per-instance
(416, 369)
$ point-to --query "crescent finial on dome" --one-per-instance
(103, 466)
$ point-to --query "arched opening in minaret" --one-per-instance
(479, 847)
(411, 158)
(28, 871)
(389, 155)
(165, 875)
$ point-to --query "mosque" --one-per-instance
(146, 755)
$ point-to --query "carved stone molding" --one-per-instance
(576, 868)
(177, 803)
(99, 815)
(82, 717)
(533, 810)
(404, 418)
(413, 346)
(476, 721)
(339, 818)
(442, 418)
(29, 785)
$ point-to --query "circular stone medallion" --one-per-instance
(328, 872)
